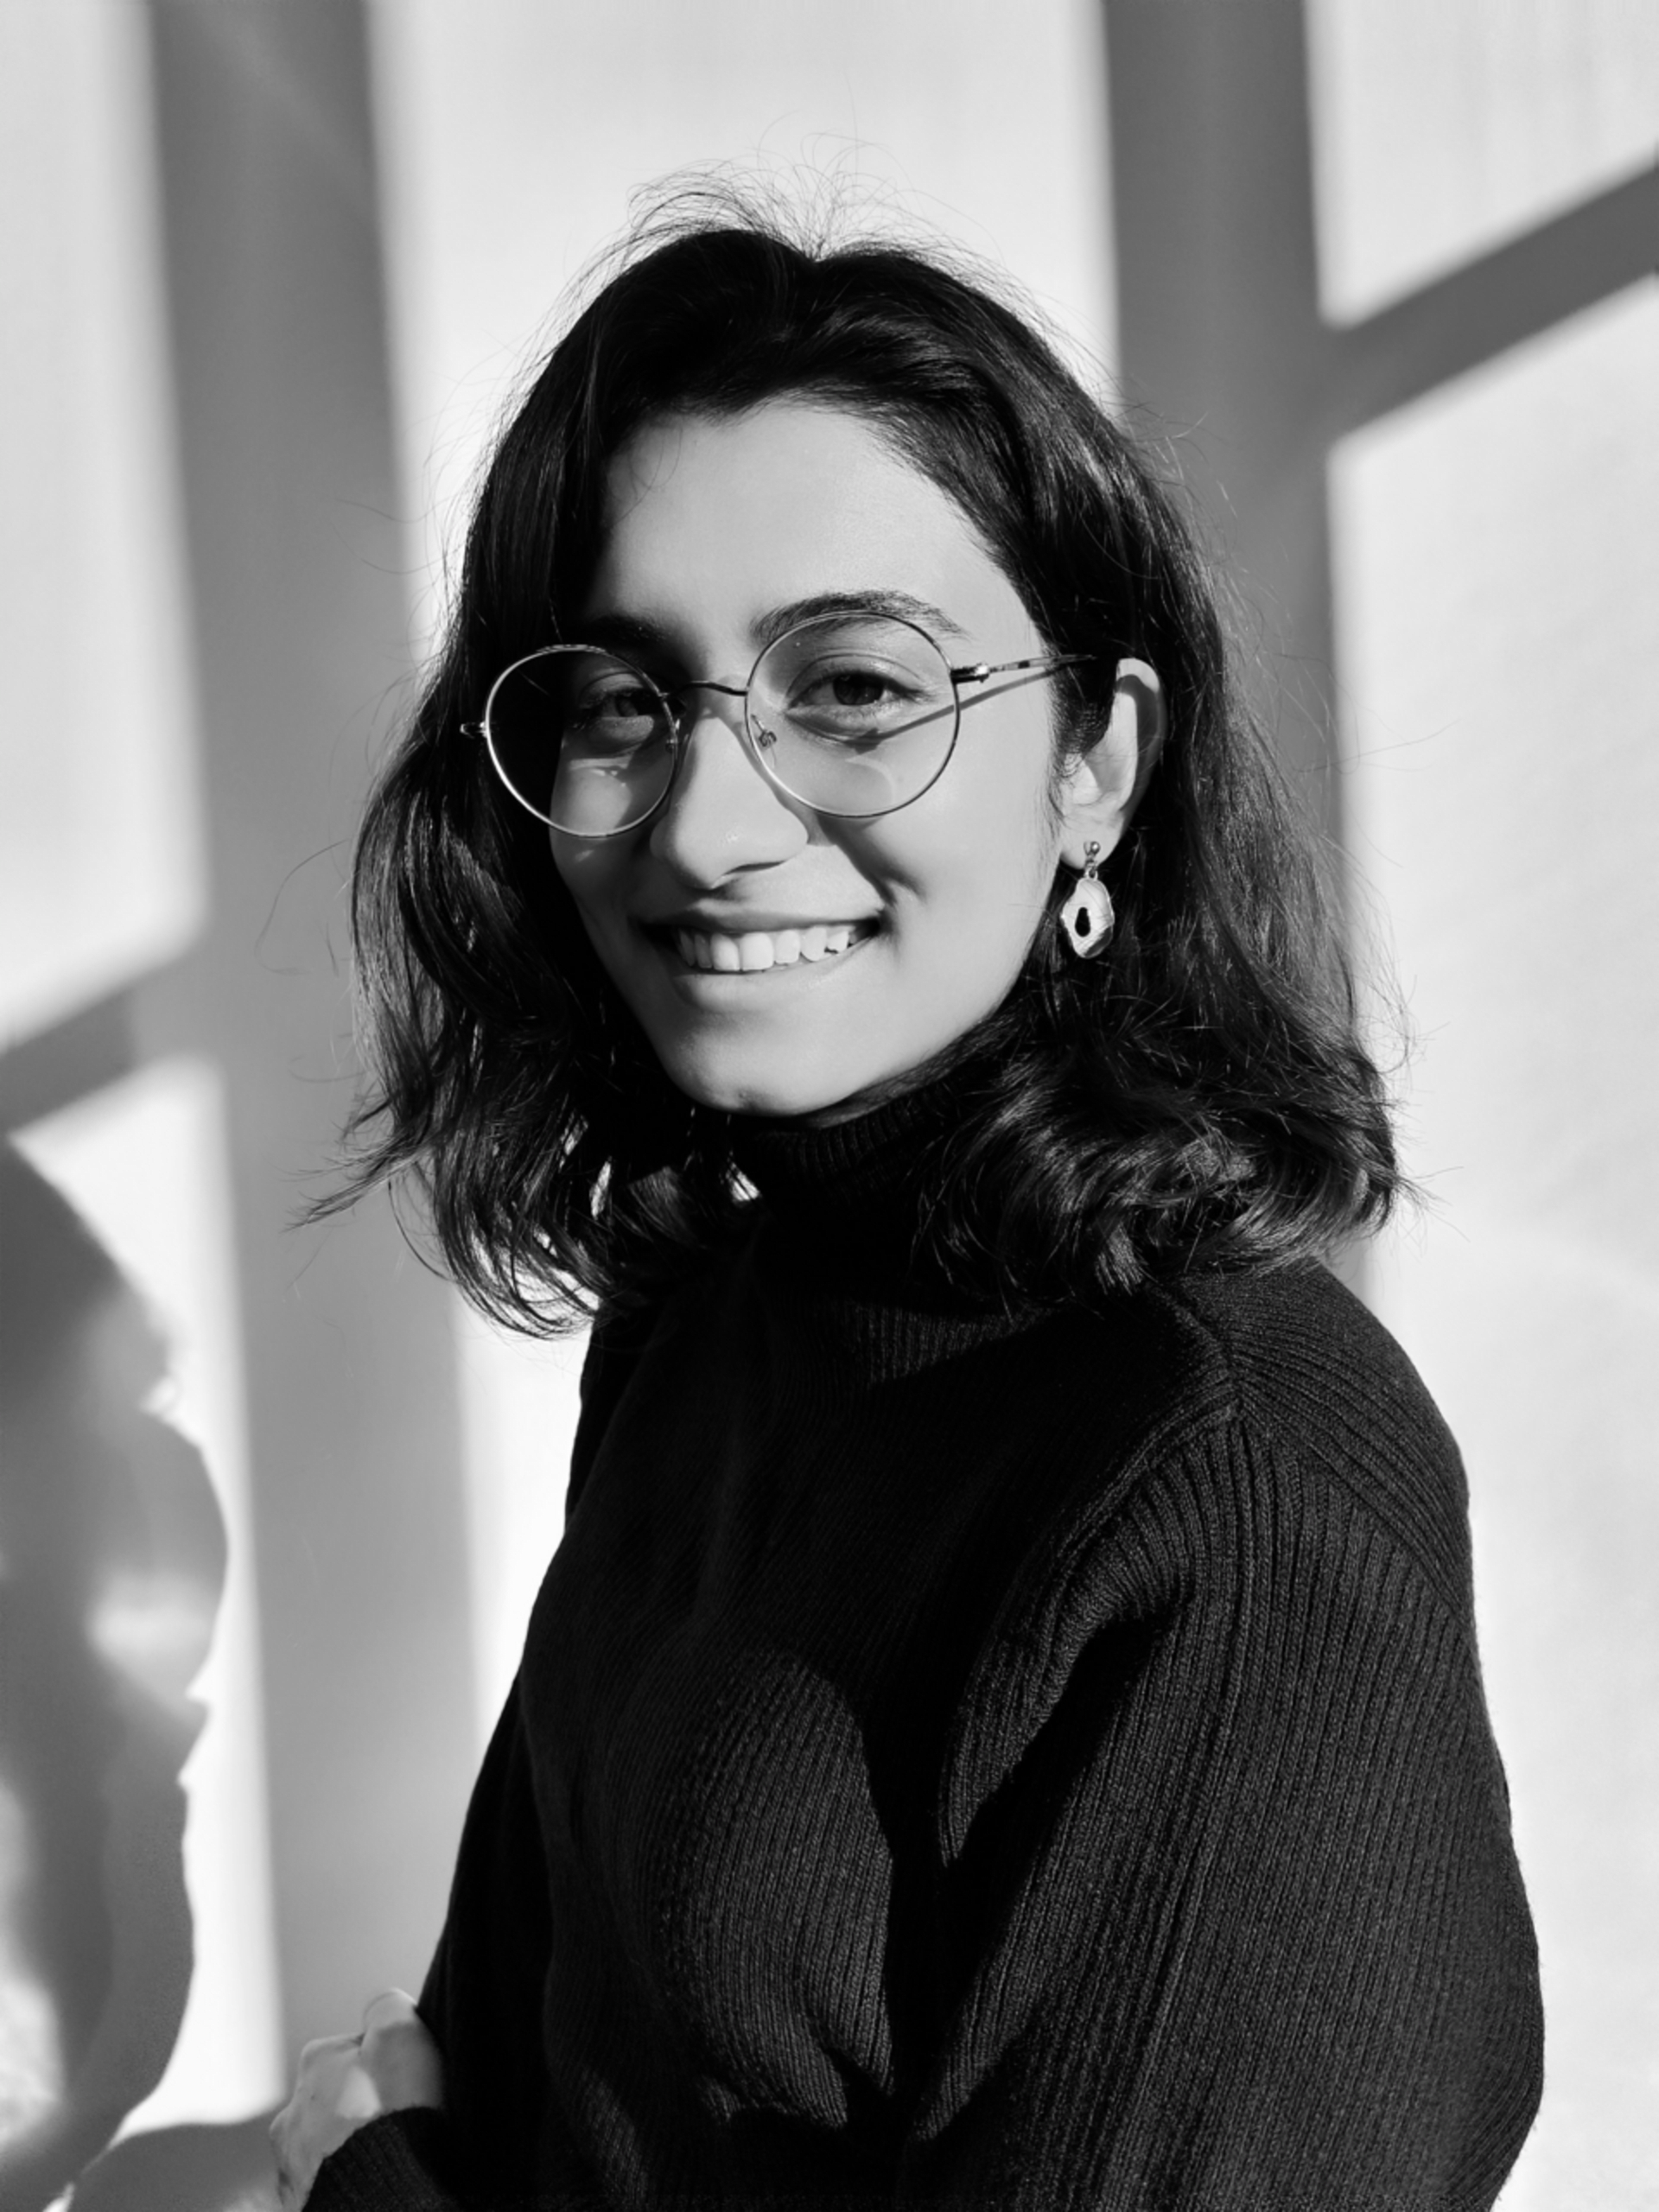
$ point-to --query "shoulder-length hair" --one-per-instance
(1197, 1097)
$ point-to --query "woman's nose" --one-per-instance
(723, 815)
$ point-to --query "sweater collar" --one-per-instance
(844, 1216)
(870, 1168)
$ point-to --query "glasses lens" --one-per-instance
(581, 739)
(855, 714)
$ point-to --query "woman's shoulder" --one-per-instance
(1285, 1378)
(1247, 1473)
(1298, 1341)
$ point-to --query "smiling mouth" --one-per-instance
(716, 954)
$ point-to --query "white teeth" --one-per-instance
(758, 949)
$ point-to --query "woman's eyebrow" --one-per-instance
(623, 634)
(899, 604)
(636, 633)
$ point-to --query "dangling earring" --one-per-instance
(1086, 913)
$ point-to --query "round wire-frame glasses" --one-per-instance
(852, 714)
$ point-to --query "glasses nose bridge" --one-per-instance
(729, 706)
(686, 718)
(736, 717)
(721, 809)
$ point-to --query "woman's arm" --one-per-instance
(346, 2081)
(1243, 1928)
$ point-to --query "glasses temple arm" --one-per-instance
(980, 671)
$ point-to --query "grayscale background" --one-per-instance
(272, 1510)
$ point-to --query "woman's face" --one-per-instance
(713, 529)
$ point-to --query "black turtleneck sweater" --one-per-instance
(980, 1760)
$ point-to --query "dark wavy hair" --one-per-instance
(1197, 1097)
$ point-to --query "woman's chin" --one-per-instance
(832, 1093)
(764, 1098)
(737, 1084)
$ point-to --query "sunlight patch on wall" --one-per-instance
(1440, 132)
(1497, 568)
(520, 1406)
(101, 867)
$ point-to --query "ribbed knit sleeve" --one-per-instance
(392, 2164)
(1231, 1922)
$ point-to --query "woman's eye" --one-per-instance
(858, 688)
(622, 703)
(866, 693)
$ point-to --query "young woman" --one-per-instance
(1002, 1726)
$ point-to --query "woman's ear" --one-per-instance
(1102, 786)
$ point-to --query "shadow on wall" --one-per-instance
(112, 1559)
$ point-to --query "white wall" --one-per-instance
(1496, 575)
(1499, 570)
(102, 877)
(103, 870)
(1440, 132)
